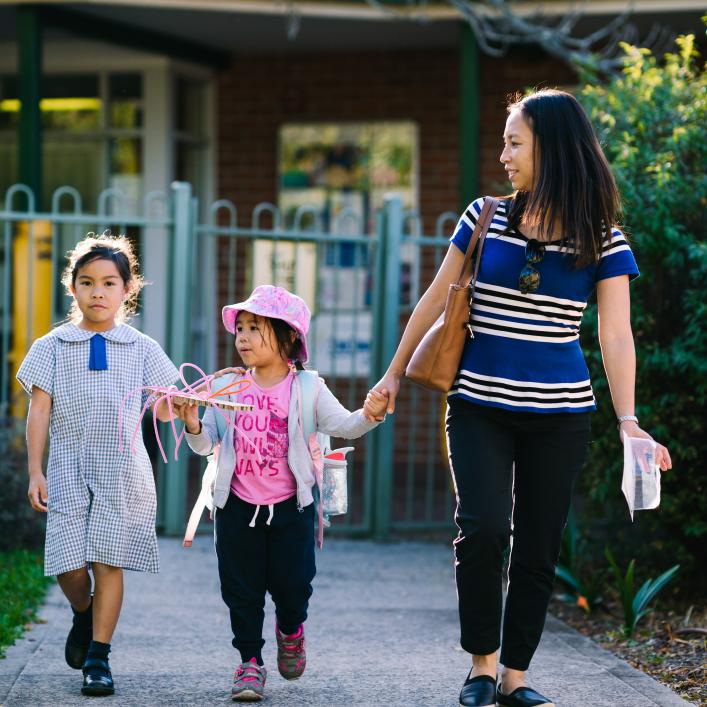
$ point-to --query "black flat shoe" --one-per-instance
(478, 692)
(523, 697)
(75, 651)
(97, 678)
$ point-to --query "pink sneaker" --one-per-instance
(291, 656)
(249, 682)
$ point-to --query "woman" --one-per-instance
(518, 415)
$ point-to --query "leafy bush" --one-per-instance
(652, 124)
(24, 526)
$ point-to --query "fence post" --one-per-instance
(385, 332)
(174, 478)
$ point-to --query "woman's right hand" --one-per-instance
(390, 382)
(37, 492)
(425, 314)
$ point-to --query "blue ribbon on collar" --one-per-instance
(97, 358)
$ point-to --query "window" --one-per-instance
(190, 131)
(92, 135)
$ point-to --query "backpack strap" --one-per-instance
(309, 392)
(220, 421)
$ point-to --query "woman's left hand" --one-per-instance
(662, 455)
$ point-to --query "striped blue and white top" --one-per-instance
(525, 354)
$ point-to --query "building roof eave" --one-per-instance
(362, 9)
(134, 36)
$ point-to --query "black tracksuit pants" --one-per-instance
(276, 558)
(513, 474)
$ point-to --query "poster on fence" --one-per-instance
(340, 344)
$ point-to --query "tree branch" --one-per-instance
(497, 26)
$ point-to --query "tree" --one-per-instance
(652, 122)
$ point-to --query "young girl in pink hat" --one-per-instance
(263, 491)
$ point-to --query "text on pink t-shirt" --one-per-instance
(267, 479)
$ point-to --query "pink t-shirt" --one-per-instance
(268, 479)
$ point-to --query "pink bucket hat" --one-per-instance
(276, 303)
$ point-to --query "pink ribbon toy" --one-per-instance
(200, 391)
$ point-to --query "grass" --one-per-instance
(22, 588)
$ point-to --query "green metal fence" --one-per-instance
(360, 282)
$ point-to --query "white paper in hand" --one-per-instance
(641, 478)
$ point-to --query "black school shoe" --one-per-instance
(523, 697)
(478, 692)
(97, 678)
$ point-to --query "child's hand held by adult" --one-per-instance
(37, 492)
(374, 407)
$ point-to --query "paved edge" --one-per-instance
(20, 653)
(639, 681)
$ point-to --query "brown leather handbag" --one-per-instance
(435, 361)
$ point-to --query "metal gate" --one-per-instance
(361, 284)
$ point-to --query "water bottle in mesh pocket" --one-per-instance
(335, 499)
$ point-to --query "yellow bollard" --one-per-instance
(31, 310)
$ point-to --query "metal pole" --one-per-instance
(387, 332)
(29, 58)
(469, 92)
(174, 477)
(371, 461)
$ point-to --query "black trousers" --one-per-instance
(513, 474)
(276, 558)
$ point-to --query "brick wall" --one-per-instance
(260, 93)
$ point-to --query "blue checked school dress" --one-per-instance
(101, 501)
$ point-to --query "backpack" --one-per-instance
(330, 490)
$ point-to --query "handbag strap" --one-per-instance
(482, 226)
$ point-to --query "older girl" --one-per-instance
(100, 502)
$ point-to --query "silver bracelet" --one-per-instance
(626, 418)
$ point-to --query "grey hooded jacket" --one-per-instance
(332, 419)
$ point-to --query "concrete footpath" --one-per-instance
(382, 631)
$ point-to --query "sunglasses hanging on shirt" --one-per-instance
(529, 278)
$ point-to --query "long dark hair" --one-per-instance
(573, 183)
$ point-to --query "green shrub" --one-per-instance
(23, 527)
(652, 124)
(22, 588)
(636, 603)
